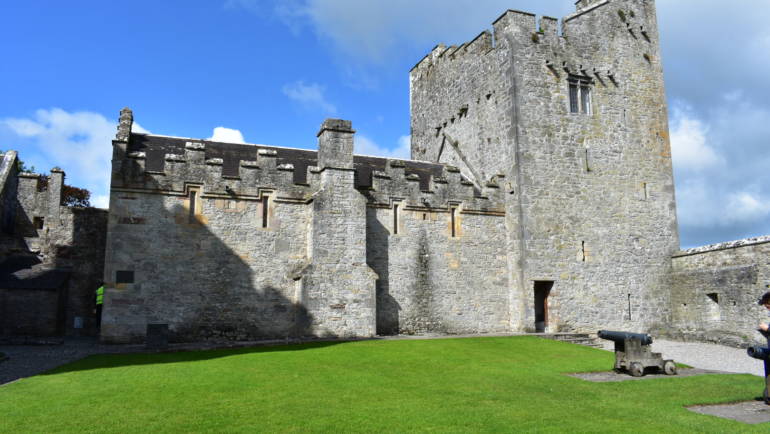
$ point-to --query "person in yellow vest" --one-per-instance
(99, 301)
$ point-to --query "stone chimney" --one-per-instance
(125, 124)
(335, 144)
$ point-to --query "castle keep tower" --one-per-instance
(573, 118)
(539, 198)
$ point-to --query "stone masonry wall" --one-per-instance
(217, 269)
(596, 189)
(63, 238)
(715, 289)
(589, 197)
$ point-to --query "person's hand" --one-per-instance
(764, 327)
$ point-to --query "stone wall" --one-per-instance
(715, 291)
(590, 199)
(315, 262)
(53, 258)
(8, 186)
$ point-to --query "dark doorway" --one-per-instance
(542, 290)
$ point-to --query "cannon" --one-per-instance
(763, 353)
(633, 355)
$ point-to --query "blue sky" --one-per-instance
(270, 71)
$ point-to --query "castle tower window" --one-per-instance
(265, 210)
(453, 221)
(194, 205)
(580, 95)
(395, 219)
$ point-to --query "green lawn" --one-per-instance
(447, 385)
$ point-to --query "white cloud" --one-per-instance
(79, 142)
(310, 96)
(226, 135)
(745, 207)
(136, 128)
(373, 31)
(365, 146)
(100, 201)
(689, 147)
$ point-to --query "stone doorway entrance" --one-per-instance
(542, 291)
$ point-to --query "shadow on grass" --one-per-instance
(106, 361)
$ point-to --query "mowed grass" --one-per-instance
(448, 385)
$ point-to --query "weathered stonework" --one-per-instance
(52, 256)
(715, 291)
(540, 197)
(589, 196)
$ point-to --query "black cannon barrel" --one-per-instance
(761, 353)
(645, 339)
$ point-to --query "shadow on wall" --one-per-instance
(84, 257)
(106, 361)
(210, 275)
(378, 259)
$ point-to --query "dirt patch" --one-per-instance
(751, 412)
(612, 376)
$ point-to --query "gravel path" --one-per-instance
(709, 356)
(29, 360)
(706, 356)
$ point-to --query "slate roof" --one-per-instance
(156, 147)
(26, 272)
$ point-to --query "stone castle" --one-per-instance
(539, 198)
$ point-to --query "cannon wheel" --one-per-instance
(669, 367)
(636, 369)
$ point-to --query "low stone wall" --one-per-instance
(715, 290)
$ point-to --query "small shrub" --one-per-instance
(622, 15)
(535, 38)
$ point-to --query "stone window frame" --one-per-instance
(193, 202)
(266, 202)
(580, 93)
(396, 217)
(455, 208)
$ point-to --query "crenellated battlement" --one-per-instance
(170, 164)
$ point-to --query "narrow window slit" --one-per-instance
(453, 221)
(395, 219)
(193, 200)
(265, 210)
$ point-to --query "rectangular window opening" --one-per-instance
(585, 99)
(395, 219)
(193, 202)
(38, 222)
(573, 98)
(265, 210)
(124, 276)
(453, 221)
(580, 94)
(583, 249)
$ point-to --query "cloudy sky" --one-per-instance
(269, 71)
